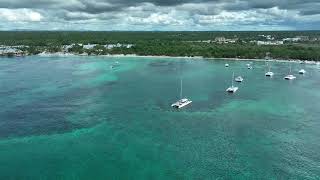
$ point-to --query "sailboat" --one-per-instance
(183, 101)
(269, 73)
(290, 76)
(232, 89)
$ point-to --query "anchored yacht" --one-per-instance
(226, 65)
(269, 73)
(302, 71)
(182, 102)
(232, 89)
(290, 76)
(239, 79)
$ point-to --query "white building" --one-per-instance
(296, 39)
(269, 43)
(89, 46)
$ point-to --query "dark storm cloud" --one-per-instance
(26, 4)
(185, 13)
(100, 6)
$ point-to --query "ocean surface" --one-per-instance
(77, 118)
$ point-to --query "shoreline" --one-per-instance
(61, 54)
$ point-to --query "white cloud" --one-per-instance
(155, 18)
(264, 16)
(20, 15)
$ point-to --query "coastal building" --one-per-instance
(9, 51)
(303, 38)
(92, 46)
(67, 47)
(297, 38)
(118, 45)
(200, 41)
(315, 39)
(267, 37)
(89, 46)
(291, 39)
(223, 40)
(220, 39)
(269, 43)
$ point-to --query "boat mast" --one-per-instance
(232, 79)
(181, 88)
(265, 64)
(269, 68)
(290, 68)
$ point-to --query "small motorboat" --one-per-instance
(232, 89)
(114, 65)
(239, 79)
(302, 71)
(226, 65)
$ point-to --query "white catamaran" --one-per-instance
(183, 101)
(290, 76)
(232, 89)
(269, 73)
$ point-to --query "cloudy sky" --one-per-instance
(107, 15)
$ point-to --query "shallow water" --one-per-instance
(76, 118)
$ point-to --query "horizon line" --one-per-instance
(31, 30)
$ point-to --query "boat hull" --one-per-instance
(179, 106)
(289, 77)
(269, 74)
(232, 89)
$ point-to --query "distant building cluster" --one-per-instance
(261, 40)
(267, 37)
(223, 40)
(11, 50)
(271, 40)
(297, 39)
(270, 43)
(92, 46)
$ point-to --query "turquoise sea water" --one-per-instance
(75, 118)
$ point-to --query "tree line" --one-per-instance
(165, 43)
